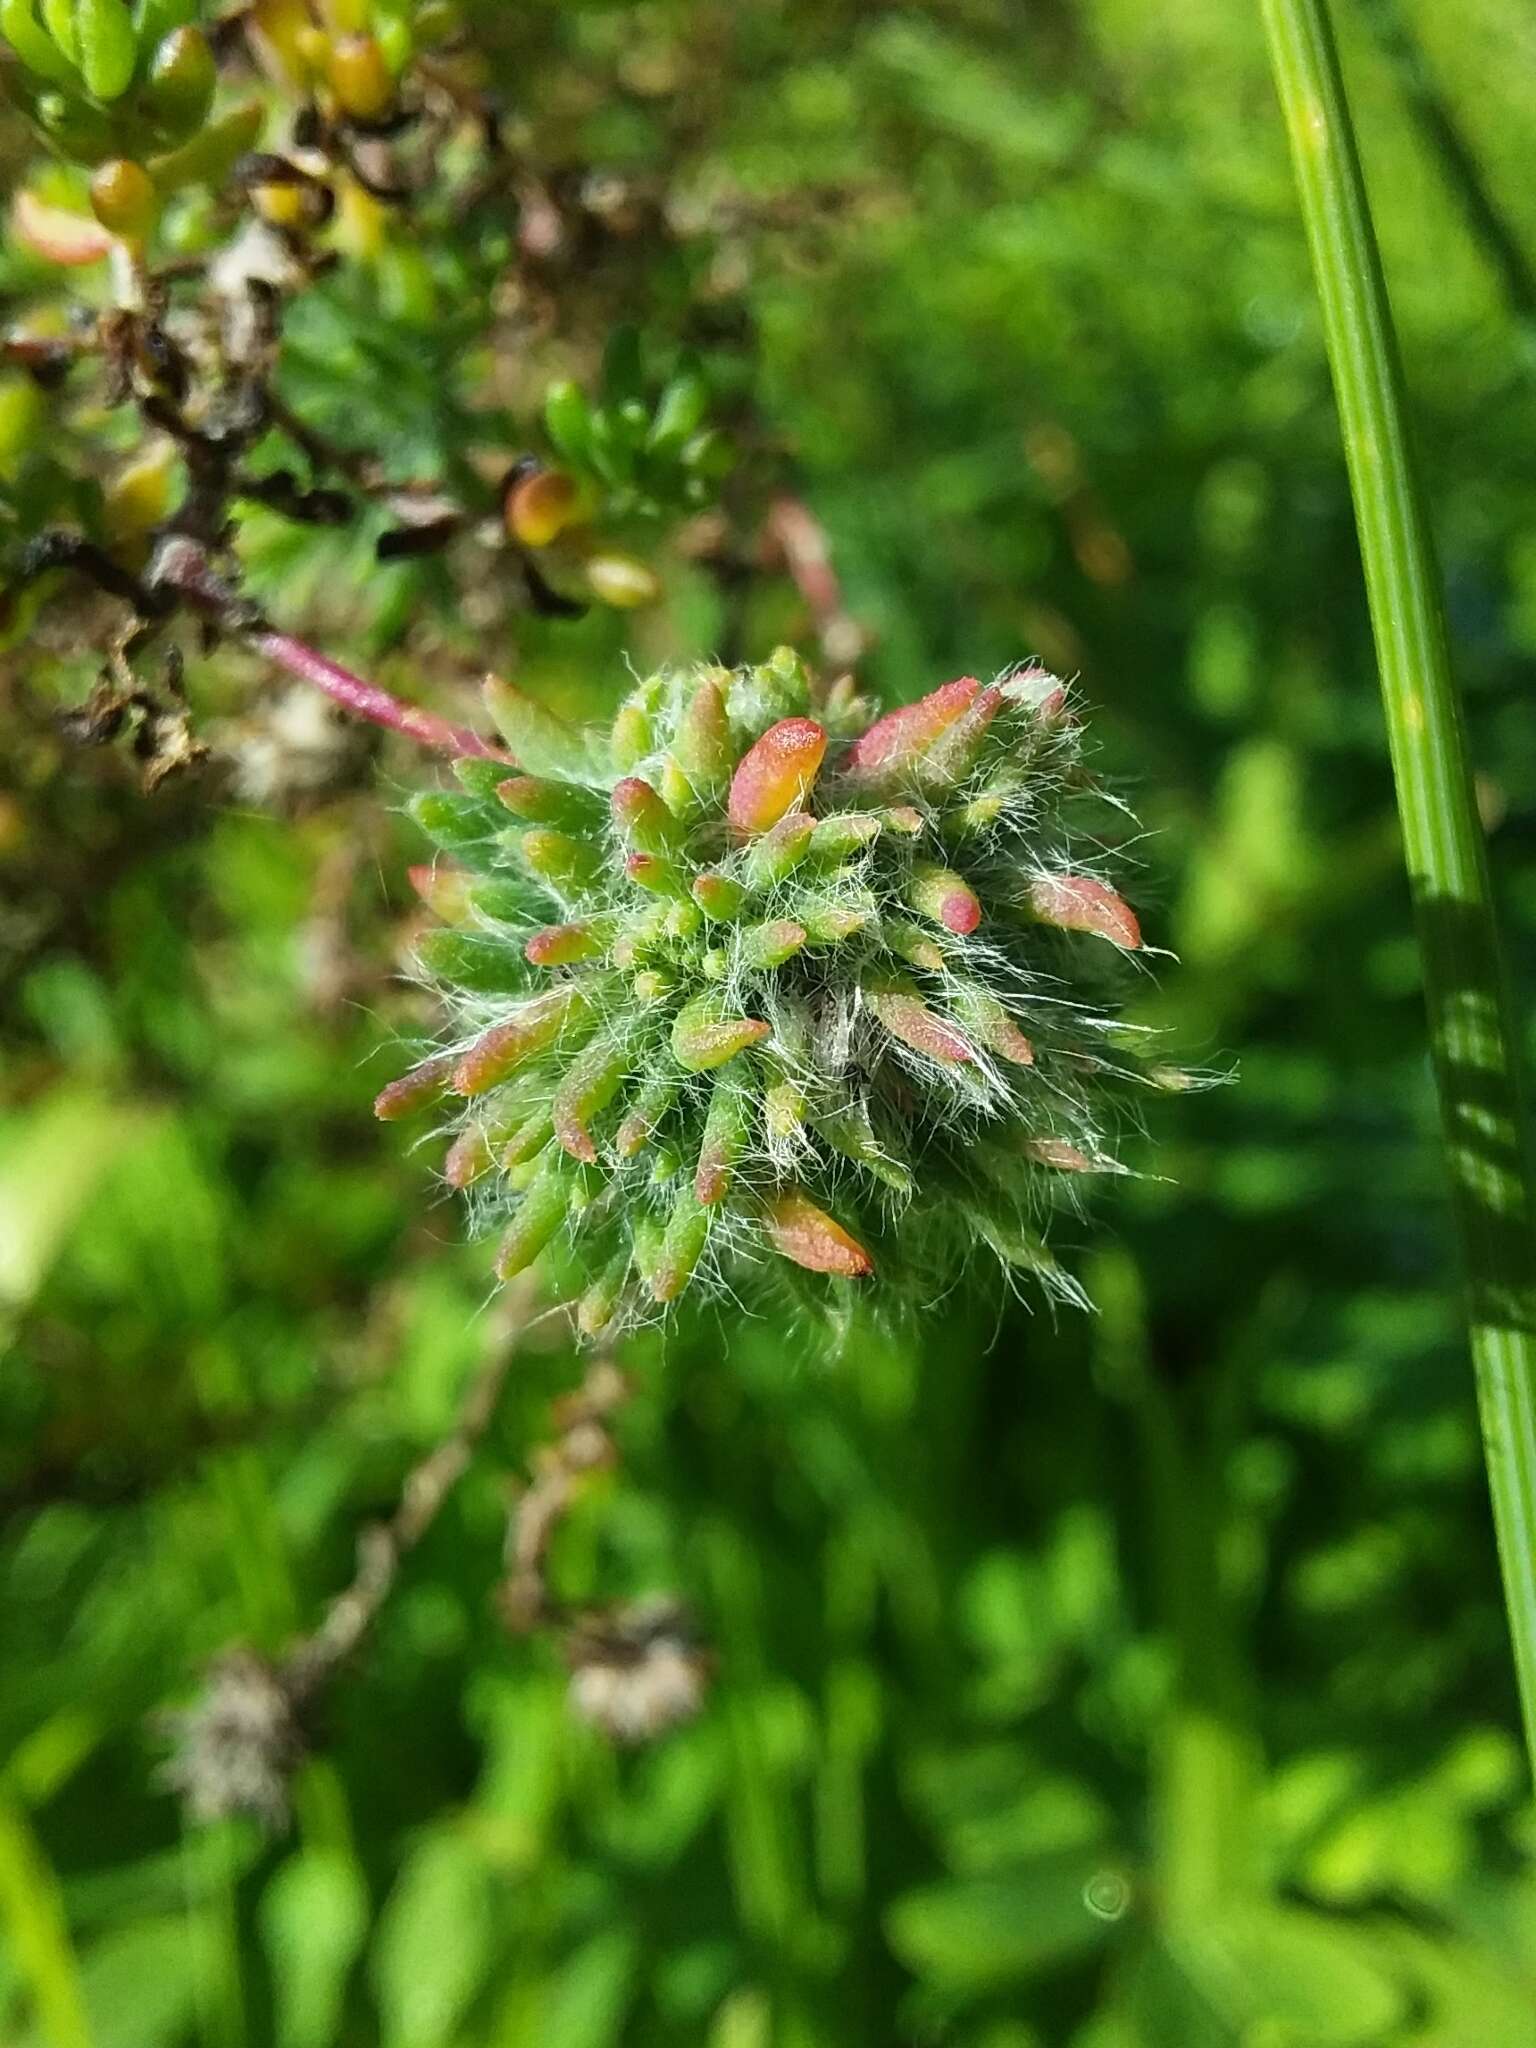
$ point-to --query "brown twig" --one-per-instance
(236, 1746)
(381, 1549)
(582, 1445)
(638, 1667)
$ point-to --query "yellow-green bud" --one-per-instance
(360, 78)
(124, 199)
(621, 582)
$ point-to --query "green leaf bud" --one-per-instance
(838, 837)
(456, 823)
(124, 199)
(643, 821)
(727, 1129)
(772, 943)
(541, 743)
(704, 1036)
(473, 961)
(208, 157)
(538, 1215)
(679, 413)
(35, 46)
(182, 80)
(107, 48)
(718, 896)
(567, 864)
(780, 850)
(568, 422)
(682, 1246)
(590, 1083)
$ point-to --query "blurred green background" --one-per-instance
(1127, 1681)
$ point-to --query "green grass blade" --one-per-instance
(32, 1912)
(1471, 1034)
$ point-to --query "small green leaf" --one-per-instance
(682, 1246)
(568, 422)
(51, 1163)
(36, 49)
(181, 84)
(109, 49)
(314, 1915)
(587, 2000)
(59, 16)
(39, 1949)
(486, 966)
(75, 128)
(434, 1943)
(541, 741)
(506, 898)
(612, 449)
(154, 20)
(978, 1934)
(141, 1981)
(456, 823)
(1319, 1978)
(710, 455)
(211, 154)
(680, 412)
(543, 1208)
(480, 778)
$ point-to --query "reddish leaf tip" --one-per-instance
(810, 1238)
(960, 911)
(1081, 903)
(896, 740)
(1060, 1153)
(574, 1138)
(775, 774)
(424, 1084)
(909, 1019)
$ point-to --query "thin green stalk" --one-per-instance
(1206, 1763)
(1471, 1033)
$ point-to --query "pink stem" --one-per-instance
(367, 700)
(802, 541)
(180, 564)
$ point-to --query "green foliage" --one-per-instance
(646, 455)
(100, 81)
(273, 323)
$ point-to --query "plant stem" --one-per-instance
(1206, 1761)
(181, 565)
(367, 700)
(1471, 1032)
